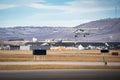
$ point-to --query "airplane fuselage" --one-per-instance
(81, 32)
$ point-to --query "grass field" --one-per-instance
(14, 55)
(57, 55)
(33, 67)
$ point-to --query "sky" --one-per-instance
(56, 13)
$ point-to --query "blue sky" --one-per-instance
(55, 13)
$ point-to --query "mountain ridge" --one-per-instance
(109, 31)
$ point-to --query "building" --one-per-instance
(35, 45)
(91, 45)
(80, 47)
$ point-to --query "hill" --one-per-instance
(108, 31)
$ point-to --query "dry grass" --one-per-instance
(17, 55)
(15, 51)
(33, 67)
(61, 57)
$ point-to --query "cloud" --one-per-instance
(85, 6)
(45, 12)
(7, 6)
(81, 2)
(52, 23)
(60, 23)
(44, 6)
(77, 6)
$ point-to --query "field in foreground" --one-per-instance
(33, 67)
(16, 56)
(93, 56)
(60, 57)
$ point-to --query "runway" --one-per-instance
(59, 63)
(61, 74)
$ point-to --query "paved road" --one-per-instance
(61, 74)
(60, 63)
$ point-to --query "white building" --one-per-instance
(34, 39)
(24, 47)
(80, 47)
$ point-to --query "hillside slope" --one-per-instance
(108, 31)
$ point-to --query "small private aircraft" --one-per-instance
(83, 31)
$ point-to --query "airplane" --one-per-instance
(83, 31)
